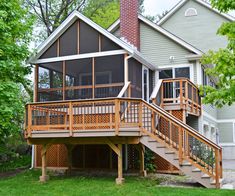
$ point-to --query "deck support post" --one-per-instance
(44, 177)
(143, 172)
(120, 179)
(69, 149)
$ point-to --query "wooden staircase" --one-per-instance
(177, 150)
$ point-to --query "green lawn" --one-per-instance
(27, 184)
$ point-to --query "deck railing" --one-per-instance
(116, 113)
(179, 93)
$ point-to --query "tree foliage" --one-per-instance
(15, 31)
(224, 61)
(51, 13)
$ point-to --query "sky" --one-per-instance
(154, 7)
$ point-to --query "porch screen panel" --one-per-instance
(50, 52)
(68, 41)
(78, 79)
(107, 44)
(135, 77)
(109, 76)
(89, 39)
(50, 82)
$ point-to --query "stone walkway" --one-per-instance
(229, 173)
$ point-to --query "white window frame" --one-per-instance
(145, 68)
(191, 70)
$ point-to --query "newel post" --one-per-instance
(180, 145)
(29, 121)
(117, 116)
(217, 168)
(181, 94)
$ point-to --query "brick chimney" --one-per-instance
(129, 23)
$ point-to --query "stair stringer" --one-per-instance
(171, 155)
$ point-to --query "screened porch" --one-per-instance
(88, 78)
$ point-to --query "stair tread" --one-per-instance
(196, 170)
(186, 164)
(170, 152)
(205, 176)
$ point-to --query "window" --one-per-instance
(181, 72)
(164, 74)
(206, 132)
(190, 12)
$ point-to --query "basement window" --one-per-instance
(190, 12)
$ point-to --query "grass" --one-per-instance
(27, 184)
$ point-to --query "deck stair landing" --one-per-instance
(158, 130)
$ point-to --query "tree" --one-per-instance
(224, 61)
(51, 13)
(15, 31)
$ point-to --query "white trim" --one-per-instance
(189, 9)
(192, 57)
(199, 72)
(182, 2)
(114, 25)
(171, 36)
(156, 89)
(147, 96)
(227, 144)
(79, 56)
(217, 120)
(233, 132)
(70, 20)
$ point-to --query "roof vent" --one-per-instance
(190, 12)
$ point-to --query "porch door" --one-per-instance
(145, 84)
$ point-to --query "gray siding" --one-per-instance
(200, 30)
(227, 112)
(158, 48)
(226, 132)
(211, 110)
(117, 32)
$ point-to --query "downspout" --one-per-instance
(126, 79)
(32, 158)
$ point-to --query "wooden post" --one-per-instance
(120, 179)
(170, 138)
(141, 154)
(35, 98)
(70, 119)
(221, 163)
(186, 95)
(29, 121)
(117, 116)
(217, 169)
(141, 116)
(181, 94)
(64, 85)
(93, 77)
(69, 150)
(44, 177)
(78, 37)
(180, 146)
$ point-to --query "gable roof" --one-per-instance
(201, 2)
(163, 31)
(70, 20)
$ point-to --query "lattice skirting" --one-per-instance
(86, 157)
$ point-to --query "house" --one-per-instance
(193, 23)
(100, 99)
